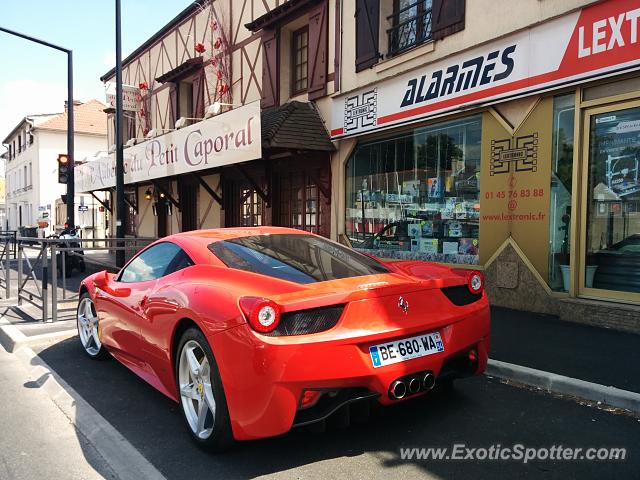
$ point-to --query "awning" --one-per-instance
(294, 126)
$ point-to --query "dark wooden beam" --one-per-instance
(167, 194)
(105, 204)
(131, 205)
(208, 189)
(323, 188)
(261, 193)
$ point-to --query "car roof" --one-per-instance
(217, 234)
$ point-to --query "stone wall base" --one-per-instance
(511, 282)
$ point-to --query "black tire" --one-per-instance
(221, 437)
(93, 348)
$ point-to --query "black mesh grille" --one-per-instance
(304, 322)
(461, 295)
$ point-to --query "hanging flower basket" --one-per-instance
(143, 86)
(200, 48)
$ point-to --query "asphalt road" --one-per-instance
(480, 412)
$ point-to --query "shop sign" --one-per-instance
(594, 42)
(130, 97)
(225, 139)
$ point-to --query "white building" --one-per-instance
(32, 188)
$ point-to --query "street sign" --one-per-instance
(129, 97)
(83, 208)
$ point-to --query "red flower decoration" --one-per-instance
(138, 98)
(214, 62)
(223, 88)
(142, 112)
(214, 25)
(145, 131)
(219, 74)
(143, 86)
(200, 48)
(218, 43)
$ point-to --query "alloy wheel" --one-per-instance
(196, 394)
(88, 327)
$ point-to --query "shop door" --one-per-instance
(244, 206)
(609, 263)
(302, 202)
(161, 212)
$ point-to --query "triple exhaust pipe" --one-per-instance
(411, 385)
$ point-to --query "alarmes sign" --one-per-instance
(586, 44)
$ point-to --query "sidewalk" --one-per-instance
(37, 439)
(584, 352)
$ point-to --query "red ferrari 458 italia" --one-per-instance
(254, 331)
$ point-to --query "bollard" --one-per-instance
(7, 270)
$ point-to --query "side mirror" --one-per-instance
(101, 280)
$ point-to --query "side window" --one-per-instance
(180, 261)
(151, 264)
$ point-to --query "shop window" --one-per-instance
(411, 22)
(561, 178)
(299, 60)
(130, 213)
(612, 260)
(416, 196)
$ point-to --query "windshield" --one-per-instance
(294, 257)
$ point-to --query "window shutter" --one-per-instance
(367, 28)
(270, 70)
(447, 18)
(318, 45)
(198, 94)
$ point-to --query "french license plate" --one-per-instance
(405, 349)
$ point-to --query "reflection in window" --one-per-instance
(613, 208)
(152, 263)
(295, 258)
(417, 195)
(561, 177)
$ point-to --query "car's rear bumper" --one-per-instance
(264, 380)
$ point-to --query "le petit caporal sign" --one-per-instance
(228, 138)
(591, 43)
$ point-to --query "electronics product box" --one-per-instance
(449, 247)
(427, 229)
(468, 246)
(454, 232)
(424, 245)
(414, 229)
(446, 214)
(411, 187)
(434, 187)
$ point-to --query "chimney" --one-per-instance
(75, 104)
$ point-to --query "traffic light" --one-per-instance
(63, 168)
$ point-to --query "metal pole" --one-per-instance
(54, 283)
(119, 147)
(70, 143)
(7, 267)
(20, 253)
(45, 283)
(71, 217)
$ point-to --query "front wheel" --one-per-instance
(202, 400)
(89, 328)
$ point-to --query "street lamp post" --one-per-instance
(70, 128)
(120, 257)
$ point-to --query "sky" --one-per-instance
(33, 78)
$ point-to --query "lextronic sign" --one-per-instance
(591, 43)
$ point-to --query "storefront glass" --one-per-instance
(561, 177)
(416, 195)
(613, 208)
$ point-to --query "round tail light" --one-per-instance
(262, 314)
(475, 282)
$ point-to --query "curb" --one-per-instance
(122, 457)
(554, 383)
(11, 338)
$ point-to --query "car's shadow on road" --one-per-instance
(479, 412)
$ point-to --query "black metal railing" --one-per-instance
(411, 27)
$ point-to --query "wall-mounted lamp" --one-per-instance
(161, 195)
(148, 195)
(215, 108)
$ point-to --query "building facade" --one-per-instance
(33, 194)
(458, 132)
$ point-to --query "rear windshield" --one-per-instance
(296, 258)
